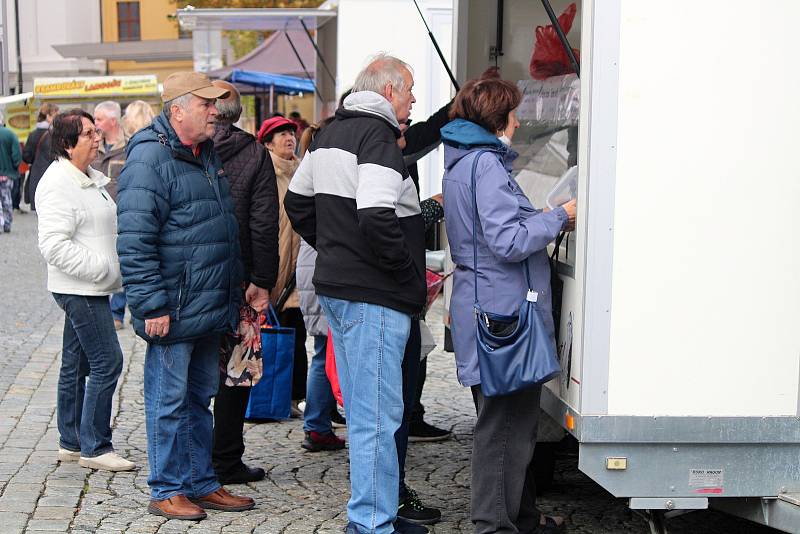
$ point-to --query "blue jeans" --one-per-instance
(369, 342)
(179, 381)
(90, 350)
(319, 396)
(118, 302)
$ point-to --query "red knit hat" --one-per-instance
(271, 124)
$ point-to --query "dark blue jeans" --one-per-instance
(179, 381)
(320, 401)
(90, 350)
(118, 302)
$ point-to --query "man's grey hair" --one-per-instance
(229, 110)
(109, 107)
(382, 69)
(180, 101)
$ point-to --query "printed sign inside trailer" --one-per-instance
(93, 86)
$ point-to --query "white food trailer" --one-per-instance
(680, 325)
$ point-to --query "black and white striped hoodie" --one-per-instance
(353, 200)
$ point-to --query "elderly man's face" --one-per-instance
(195, 123)
(105, 122)
(403, 100)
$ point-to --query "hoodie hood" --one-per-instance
(371, 103)
(462, 137)
(230, 140)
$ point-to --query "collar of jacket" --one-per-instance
(120, 144)
(94, 178)
(466, 136)
(161, 131)
(370, 104)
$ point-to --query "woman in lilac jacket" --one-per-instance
(510, 231)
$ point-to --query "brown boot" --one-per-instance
(177, 507)
(222, 500)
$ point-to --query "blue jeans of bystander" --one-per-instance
(90, 350)
(369, 342)
(179, 381)
(319, 396)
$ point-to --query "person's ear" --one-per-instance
(388, 91)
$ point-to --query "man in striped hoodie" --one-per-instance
(353, 200)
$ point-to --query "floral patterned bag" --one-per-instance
(240, 361)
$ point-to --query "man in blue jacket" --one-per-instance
(179, 253)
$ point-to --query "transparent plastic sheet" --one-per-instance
(547, 138)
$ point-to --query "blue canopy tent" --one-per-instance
(266, 85)
(278, 83)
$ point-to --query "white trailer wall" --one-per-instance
(705, 307)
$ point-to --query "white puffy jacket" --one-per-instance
(77, 231)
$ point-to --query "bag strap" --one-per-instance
(291, 283)
(475, 233)
(272, 317)
(38, 144)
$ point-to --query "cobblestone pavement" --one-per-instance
(303, 492)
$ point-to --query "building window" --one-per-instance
(128, 21)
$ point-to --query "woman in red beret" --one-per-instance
(278, 135)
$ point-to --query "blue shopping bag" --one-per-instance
(271, 398)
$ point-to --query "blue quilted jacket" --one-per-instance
(178, 240)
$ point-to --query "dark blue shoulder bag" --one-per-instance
(515, 352)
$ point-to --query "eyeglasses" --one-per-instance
(89, 134)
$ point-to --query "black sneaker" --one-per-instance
(422, 431)
(337, 419)
(241, 475)
(404, 526)
(411, 509)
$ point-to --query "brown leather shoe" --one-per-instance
(177, 507)
(222, 500)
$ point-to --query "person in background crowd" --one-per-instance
(82, 270)
(418, 140)
(110, 159)
(511, 231)
(111, 154)
(301, 123)
(138, 114)
(178, 245)
(38, 152)
(255, 199)
(320, 411)
(10, 159)
(277, 134)
(352, 200)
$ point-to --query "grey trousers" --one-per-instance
(503, 493)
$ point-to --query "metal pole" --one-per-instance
(19, 52)
(4, 51)
(308, 74)
(271, 99)
(438, 50)
(563, 38)
(319, 54)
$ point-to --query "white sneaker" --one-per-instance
(110, 461)
(66, 455)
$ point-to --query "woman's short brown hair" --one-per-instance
(67, 128)
(487, 102)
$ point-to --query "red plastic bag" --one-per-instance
(549, 57)
(330, 370)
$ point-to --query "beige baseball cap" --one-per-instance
(181, 83)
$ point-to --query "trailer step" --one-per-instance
(791, 498)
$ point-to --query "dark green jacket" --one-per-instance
(10, 154)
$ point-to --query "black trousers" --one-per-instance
(503, 488)
(293, 318)
(410, 368)
(418, 411)
(230, 405)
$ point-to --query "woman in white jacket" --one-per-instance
(77, 237)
